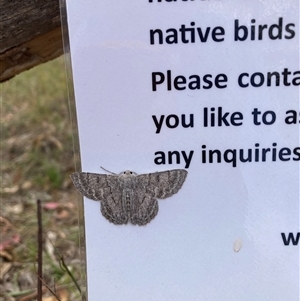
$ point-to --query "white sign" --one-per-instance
(211, 87)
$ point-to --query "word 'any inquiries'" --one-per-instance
(191, 34)
(231, 156)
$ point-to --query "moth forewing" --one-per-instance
(91, 185)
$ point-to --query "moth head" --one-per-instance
(128, 173)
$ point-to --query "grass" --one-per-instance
(37, 158)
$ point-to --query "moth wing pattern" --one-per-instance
(93, 186)
(163, 184)
(151, 186)
(104, 188)
(145, 207)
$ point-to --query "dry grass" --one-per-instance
(37, 158)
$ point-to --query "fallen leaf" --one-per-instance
(62, 214)
(4, 268)
(49, 244)
(5, 224)
(15, 209)
(51, 206)
(10, 242)
(11, 190)
(26, 185)
(62, 294)
(6, 255)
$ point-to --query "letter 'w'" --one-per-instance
(290, 238)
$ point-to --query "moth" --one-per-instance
(129, 197)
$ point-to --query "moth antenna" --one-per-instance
(107, 170)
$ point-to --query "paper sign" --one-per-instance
(211, 87)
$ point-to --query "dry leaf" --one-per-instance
(63, 295)
(6, 255)
(49, 244)
(26, 185)
(9, 242)
(11, 190)
(51, 206)
(15, 209)
(62, 214)
(4, 268)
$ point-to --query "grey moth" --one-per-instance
(129, 197)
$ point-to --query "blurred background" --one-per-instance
(37, 158)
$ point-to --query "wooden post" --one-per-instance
(30, 35)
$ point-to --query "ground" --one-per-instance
(38, 154)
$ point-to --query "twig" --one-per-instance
(65, 267)
(40, 253)
(50, 290)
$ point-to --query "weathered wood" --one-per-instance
(30, 34)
